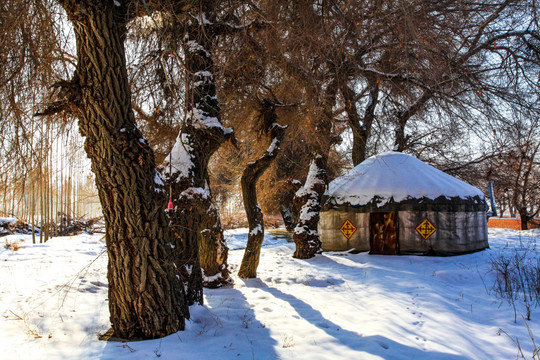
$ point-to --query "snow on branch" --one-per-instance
(179, 161)
(314, 177)
(308, 199)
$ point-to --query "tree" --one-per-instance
(250, 176)
(429, 65)
(516, 172)
(146, 299)
(201, 135)
(308, 199)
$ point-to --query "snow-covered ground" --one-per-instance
(53, 305)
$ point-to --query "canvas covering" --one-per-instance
(416, 191)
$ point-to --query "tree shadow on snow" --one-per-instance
(224, 328)
(377, 345)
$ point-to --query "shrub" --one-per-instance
(517, 277)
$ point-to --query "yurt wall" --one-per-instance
(456, 232)
(334, 239)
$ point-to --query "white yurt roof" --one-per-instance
(398, 176)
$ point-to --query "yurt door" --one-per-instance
(383, 233)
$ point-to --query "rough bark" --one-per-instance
(250, 176)
(308, 199)
(287, 208)
(146, 299)
(213, 252)
(195, 220)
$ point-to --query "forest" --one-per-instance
(172, 119)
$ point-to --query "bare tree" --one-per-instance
(250, 176)
(146, 299)
(516, 172)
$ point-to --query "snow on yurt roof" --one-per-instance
(397, 176)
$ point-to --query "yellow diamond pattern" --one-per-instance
(347, 229)
(426, 229)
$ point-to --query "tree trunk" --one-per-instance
(250, 176)
(195, 219)
(286, 194)
(524, 217)
(524, 223)
(360, 127)
(285, 208)
(213, 252)
(402, 117)
(146, 299)
(308, 198)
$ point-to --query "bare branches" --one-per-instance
(67, 93)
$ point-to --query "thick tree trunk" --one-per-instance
(213, 251)
(194, 218)
(146, 299)
(286, 194)
(308, 199)
(250, 176)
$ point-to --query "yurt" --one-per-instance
(393, 204)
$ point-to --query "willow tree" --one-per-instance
(146, 298)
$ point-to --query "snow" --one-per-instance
(398, 176)
(194, 46)
(179, 159)
(158, 182)
(305, 213)
(303, 229)
(203, 20)
(196, 193)
(256, 230)
(273, 146)
(311, 179)
(212, 278)
(158, 179)
(7, 221)
(204, 74)
(201, 120)
(53, 304)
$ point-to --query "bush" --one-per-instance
(517, 277)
